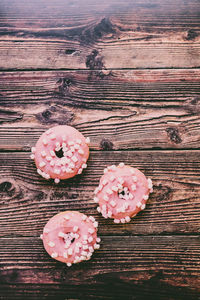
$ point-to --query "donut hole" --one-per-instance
(68, 238)
(123, 193)
(59, 153)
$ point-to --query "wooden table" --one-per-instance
(126, 74)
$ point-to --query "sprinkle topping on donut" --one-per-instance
(60, 153)
(124, 192)
(70, 237)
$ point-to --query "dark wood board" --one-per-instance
(126, 74)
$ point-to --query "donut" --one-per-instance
(122, 192)
(70, 237)
(60, 153)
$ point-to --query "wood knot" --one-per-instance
(94, 62)
(191, 34)
(69, 51)
(106, 144)
(162, 192)
(55, 114)
(173, 134)
(63, 85)
(8, 188)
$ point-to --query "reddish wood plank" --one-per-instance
(173, 207)
(120, 110)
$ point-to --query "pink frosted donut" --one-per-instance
(122, 192)
(60, 153)
(70, 237)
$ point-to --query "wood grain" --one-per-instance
(141, 34)
(173, 207)
(143, 109)
(130, 260)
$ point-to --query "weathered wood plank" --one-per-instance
(173, 207)
(133, 34)
(119, 110)
(167, 261)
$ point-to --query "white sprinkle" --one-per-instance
(150, 184)
(71, 165)
(47, 176)
(104, 182)
(120, 186)
(75, 228)
(133, 187)
(87, 140)
(56, 180)
(43, 153)
(96, 200)
(46, 230)
(123, 220)
(54, 255)
(78, 141)
(61, 234)
(116, 221)
(84, 166)
(138, 204)
(65, 255)
(92, 218)
(52, 153)
(115, 188)
(66, 217)
(69, 251)
(127, 219)
(84, 242)
(57, 171)
(42, 164)
(134, 178)
(48, 158)
(84, 253)
(105, 197)
(121, 180)
(52, 163)
(76, 236)
(91, 230)
(80, 151)
(131, 196)
(70, 143)
(112, 178)
(113, 167)
(78, 244)
(98, 240)
(80, 171)
(69, 153)
(69, 264)
(45, 142)
(58, 163)
(91, 249)
(63, 137)
(32, 156)
(52, 136)
(96, 246)
(90, 239)
(151, 190)
(76, 146)
(33, 149)
(84, 217)
(143, 206)
(132, 171)
(51, 244)
(98, 209)
(113, 203)
(121, 165)
(105, 170)
(85, 247)
(41, 236)
(145, 197)
(95, 224)
(67, 244)
(109, 214)
(85, 237)
(104, 207)
(74, 158)
(109, 191)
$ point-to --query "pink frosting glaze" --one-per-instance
(122, 192)
(70, 237)
(60, 153)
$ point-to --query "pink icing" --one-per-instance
(77, 224)
(75, 154)
(133, 198)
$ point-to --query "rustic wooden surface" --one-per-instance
(126, 74)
